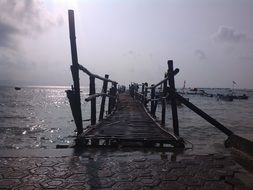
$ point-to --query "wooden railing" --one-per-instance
(74, 94)
(155, 98)
(168, 93)
(111, 94)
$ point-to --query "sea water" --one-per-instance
(237, 116)
(40, 117)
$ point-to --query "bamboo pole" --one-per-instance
(173, 98)
(152, 101)
(93, 101)
(74, 94)
(145, 94)
(102, 106)
(114, 92)
(201, 113)
(110, 101)
(164, 102)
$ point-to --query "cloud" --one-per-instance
(200, 54)
(13, 67)
(22, 18)
(229, 35)
(6, 33)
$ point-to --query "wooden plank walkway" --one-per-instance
(130, 125)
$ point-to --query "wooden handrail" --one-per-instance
(140, 94)
(175, 72)
(97, 95)
(82, 68)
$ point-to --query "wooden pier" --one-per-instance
(128, 121)
(130, 125)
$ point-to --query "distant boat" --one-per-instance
(204, 93)
(17, 88)
(194, 89)
(223, 97)
(242, 97)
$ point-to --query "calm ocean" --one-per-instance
(40, 117)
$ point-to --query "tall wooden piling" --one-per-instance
(164, 101)
(142, 92)
(102, 106)
(114, 92)
(152, 101)
(145, 94)
(93, 101)
(173, 98)
(74, 95)
(110, 101)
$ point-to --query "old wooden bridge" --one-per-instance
(131, 118)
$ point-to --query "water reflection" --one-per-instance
(41, 118)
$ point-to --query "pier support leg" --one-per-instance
(74, 94)
(152, 101)
(93, 101)
(173, 98)
(110, 101)
(102, 107)
(164, 102)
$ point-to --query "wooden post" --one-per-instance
(155, 106)
(145, 94)
(102, 107)
(152, 101)
(114, 92)
(110, 101)
(74, 94)
(164, 102)
(93, 101)
(131, 89)
(142, 92)
(173, 98)
(136, 87)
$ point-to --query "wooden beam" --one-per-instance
(173, 98)
(152, 101)
(102, 106)
(82, 68)
(164, 101)
(93, 101)
(74, 96)
(201, 113)
(175, 72)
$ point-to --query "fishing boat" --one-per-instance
(204, 93)
(241, 97)
(224, 97)
(17, 88)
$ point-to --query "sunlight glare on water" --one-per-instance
(40, 117)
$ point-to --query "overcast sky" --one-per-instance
(210, 41)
